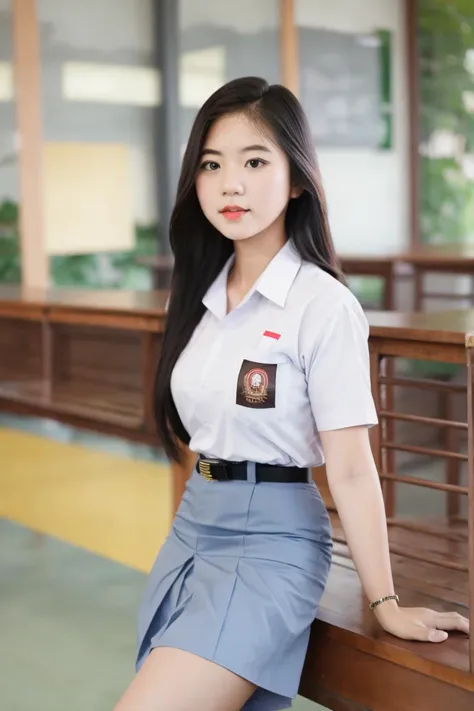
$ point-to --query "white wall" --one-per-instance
(367, 190)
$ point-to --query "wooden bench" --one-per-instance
(351, 663)
(86, 358)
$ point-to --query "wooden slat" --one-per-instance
(411, 348)
(439, 531)
(421, 420)
(127, 322)
(470, 415)
(424, 483)
(104, 356)
(114, 302)
(447, 296)
(423, 384)
(28, 313)
(20, 349)
(105, 405)
(427, 451)
(150, 350)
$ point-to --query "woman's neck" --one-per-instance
(252, 257)
(251, 260)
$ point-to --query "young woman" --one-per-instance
(264, 373)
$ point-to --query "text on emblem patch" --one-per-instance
(256, 385)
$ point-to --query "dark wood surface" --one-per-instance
(450, 256)
(446, 327)
(151, 303)
(426, 254)
(452, 326)
(352, 663)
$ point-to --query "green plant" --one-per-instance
(10, 269)
(446, 86)
(108, 270)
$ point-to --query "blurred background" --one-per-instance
(96, 104)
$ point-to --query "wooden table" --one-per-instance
(86, 358)
(389, 267)
(454, 259)
(351, 664)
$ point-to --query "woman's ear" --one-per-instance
(296, 192)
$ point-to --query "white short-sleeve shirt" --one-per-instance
(291, 360)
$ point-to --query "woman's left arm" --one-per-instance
(355, 488)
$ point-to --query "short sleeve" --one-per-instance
(337, 366)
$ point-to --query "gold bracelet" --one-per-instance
(376, 603)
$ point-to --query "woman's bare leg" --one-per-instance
(173, 680)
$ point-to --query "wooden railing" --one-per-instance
(352, 664)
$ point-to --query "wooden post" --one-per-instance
(26, 67)
(289, 49)
(470, 515)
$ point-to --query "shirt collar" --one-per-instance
(277, 279)
(274, 283)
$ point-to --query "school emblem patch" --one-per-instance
(256, 385)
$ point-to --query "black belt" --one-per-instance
(220, 470)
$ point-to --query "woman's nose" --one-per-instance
(232, 185)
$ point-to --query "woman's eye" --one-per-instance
(210, 165)
(255, 162)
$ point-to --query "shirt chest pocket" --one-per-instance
(261, 386)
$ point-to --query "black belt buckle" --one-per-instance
(208, 468)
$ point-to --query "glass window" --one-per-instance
(219, 41)
(100, 102)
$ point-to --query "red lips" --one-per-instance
(233, 212)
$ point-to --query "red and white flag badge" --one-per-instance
(272, 334)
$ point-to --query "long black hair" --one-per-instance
(200, 250)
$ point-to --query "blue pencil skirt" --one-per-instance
(238, 582)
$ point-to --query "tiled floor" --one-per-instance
(94, 511)
(67, 621)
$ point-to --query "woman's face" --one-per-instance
(243, 184)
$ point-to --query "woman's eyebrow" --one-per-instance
(255, 147)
